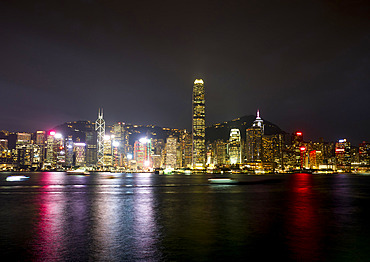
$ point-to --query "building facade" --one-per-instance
(199, 127)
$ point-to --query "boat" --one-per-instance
(223, 181)
(78, 171)
(17, 178)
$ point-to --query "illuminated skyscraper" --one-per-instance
(100, 130)
(199, 127)
(171, 145)
(254, 140)
(234, 147)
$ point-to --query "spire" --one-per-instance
(258, 114)
(100, 113)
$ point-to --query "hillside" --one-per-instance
(222, 130)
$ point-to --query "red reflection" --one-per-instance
(303, 225)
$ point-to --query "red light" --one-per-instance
(298, 133)
(302, 148)
(52, 133)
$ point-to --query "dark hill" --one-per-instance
(222, 130)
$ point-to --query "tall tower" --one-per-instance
(100, 130)
(254, 140)
(199, 127)
(234, 147)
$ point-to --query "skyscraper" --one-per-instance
(234, 147)
(100, 130)
(199, 127)
(171, 146)
(254, 140)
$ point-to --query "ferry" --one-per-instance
(223, 181)
(17, 178)
(78, 171)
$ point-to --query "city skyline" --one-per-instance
(304, 65)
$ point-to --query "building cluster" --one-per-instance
(260, 153)
(124, 147)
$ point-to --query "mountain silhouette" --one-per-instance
(222, 130)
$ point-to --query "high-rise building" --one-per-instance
(68, 146)
(41, 142)
(121, 144)
(364, 153)
(91, 148)
(79, 154)
(142, 153)
(171, 152)
(343, 154)
(234, 146)
(219, 148)
(108, 151)
(254, 140)
(199, 127)
(55, 154)
(100, 130)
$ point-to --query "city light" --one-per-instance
(58, 135)
(129, 156)
(298, 133)
(52, 133)
(143, 140)
(115, 143)
(302, 148)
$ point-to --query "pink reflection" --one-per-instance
(48, 243)
(303, 226)
(145, 229)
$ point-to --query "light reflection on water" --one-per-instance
(146, 217)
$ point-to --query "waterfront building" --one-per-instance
(142, 154)
(220, 156)
(186, 149)
(234, 146)
(41, 142)
(268, 148)
(254, 140)
(68, 149)
(171, 152)
(199, 128)
(91, 148)
(55, 155)
(364, 153)
(343, 155)
(79, 154)
(108, 151)
(100, 130)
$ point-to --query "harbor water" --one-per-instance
(53, 216)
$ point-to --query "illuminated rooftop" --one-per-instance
(198, 81)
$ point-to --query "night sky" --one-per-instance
(304, 64)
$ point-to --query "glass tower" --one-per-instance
(235, 146)
(199, 128)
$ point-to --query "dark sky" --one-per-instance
(304, 64)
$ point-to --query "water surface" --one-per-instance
(148, 217)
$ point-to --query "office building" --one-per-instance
(199, 128)
(234, 146)
(171, 152)
(254, 140)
